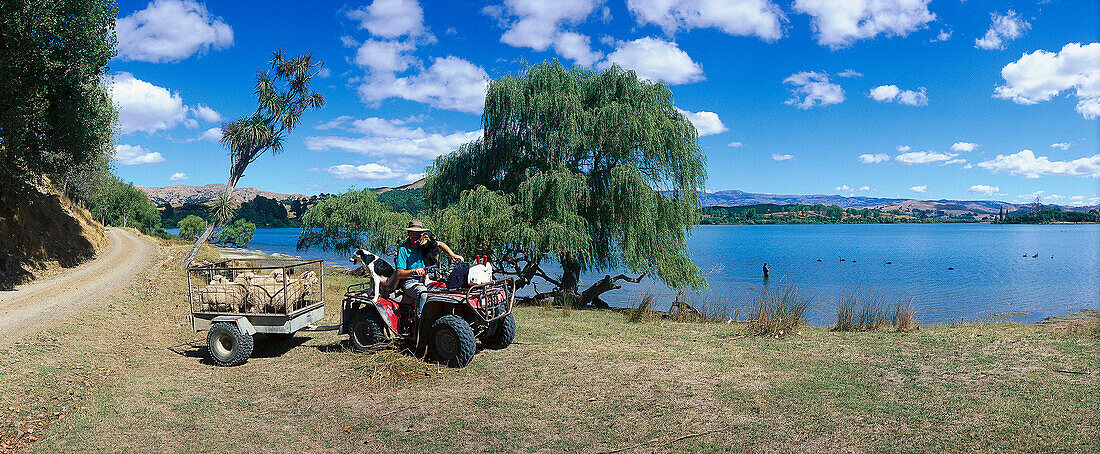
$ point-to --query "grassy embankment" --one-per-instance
(131, 377)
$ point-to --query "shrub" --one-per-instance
(191, 227)
(873, 314)
(903, 318)
(640, 309)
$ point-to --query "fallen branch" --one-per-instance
(1075, 372)
(656, 440)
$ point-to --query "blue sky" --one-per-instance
(890, 98)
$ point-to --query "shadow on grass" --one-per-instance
(264, 348)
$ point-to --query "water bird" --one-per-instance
(819, 260)
(950, 267)
(888, 262)
(1025, 255)
(853, 261)
(842, 259)
(1036, 255)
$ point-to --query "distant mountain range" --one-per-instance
(180, 194)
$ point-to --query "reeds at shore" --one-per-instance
(873, 314)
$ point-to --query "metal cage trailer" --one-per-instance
(234, 299)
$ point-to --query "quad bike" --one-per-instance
(449, 326)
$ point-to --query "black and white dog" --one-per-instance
(381, 272)
(429, 248)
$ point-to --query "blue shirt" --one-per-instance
(409, 258)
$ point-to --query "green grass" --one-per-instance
(592, 381)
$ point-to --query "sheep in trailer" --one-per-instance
(222, 295)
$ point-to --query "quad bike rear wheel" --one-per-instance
(503, 332)
(452, 341)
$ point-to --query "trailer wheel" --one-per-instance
(453, 341)
(365, 331)
(228, 345)
(502, 335)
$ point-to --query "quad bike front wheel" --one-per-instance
(503, 332)
(452, 341)
(228, 345)
(366, 331)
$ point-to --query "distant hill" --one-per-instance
(740, 198)
(418, 184)
(179, 194)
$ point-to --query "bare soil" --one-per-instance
(38, 305)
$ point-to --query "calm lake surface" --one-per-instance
(991, 275)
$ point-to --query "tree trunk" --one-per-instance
(608, 283)
(202, 239)
(570, 281)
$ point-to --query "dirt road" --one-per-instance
(39, 305)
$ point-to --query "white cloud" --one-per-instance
(735, 144)
(873, 158)
(964, 146)
(211, 135)
(145, 107)
(1025, 163)
(178, 176)
(170, 30)
(840, 23)
(1004, 28)
(782, 157)
(577, 47)
(760, 18)
(920, 189)
(391, 19)
(924, 157)
(864, 188)
(1041, 75)
(654, 59)
(891, 93)
(844, 188)
(955, 161)
(207, 114)
(944, 35)
(390, 139)
(984, 190)
(130, 155)
(365, 172)
(903, 148)
(384, 56)
(539, 24)
(450, 83)
(413, 177)
(849, 73)
(813, 89)
(1061, 145)
(706, 123)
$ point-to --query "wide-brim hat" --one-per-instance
(415, 226)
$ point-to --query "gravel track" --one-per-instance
(41, 304)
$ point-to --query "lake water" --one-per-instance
(991, 274)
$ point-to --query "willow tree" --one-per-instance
(283, 93)
(598, 170)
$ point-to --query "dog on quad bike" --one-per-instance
(380, 271)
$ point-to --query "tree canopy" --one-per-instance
(596, 169)
(56, 118)
(348, 221)
(122, 205)
(191, 226)
(237, 234)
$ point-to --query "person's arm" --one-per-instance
(402, 263)
(449, 252)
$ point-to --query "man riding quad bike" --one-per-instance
(445, 319)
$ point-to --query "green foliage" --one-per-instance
(409, 201)
(582, 158)
(236, 234)
(122, 205)
(768, 213)
(56, 118)
(351, 220)
(1049, 216)
(171, 216)
(191, 227)
(264, 212)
